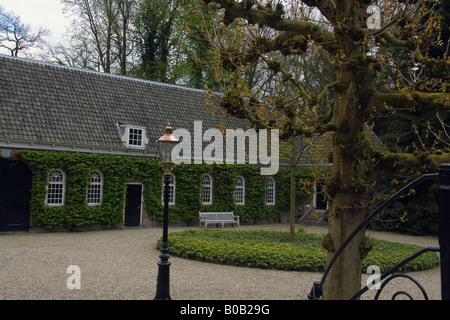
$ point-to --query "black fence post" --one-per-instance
(444, 228)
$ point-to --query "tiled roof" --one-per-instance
(319, 150)
(48, 103)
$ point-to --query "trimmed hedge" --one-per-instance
(273, 250)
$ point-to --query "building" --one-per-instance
(78, 147)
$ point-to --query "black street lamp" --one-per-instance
(166, 144)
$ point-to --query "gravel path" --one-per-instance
(122, 264)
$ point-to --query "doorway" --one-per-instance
(319, 198)
(15, 196)
(133, 205)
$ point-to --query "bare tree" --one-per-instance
(122, 30)
(102, 30)
(79, 54)
(16, 36)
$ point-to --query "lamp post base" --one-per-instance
(163, 281)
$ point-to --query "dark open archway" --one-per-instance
(15, 195)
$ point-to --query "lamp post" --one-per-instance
(166, 143)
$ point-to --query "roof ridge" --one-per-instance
(117, 76)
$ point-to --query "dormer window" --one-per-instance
(134, 136)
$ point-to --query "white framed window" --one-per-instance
(95, 189)
(134, 136)
(239, 191)
(172, 189)
(206, 189)
(270, 191)
(56, 188)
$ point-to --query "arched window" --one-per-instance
(95, 189)
(56, 188)
(239, 191)
(172, 189)
(206, 190)
(270, 191)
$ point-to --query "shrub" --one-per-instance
(273, 250)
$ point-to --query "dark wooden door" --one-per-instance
(133, 205)
(15, 195)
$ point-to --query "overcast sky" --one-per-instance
(39, 13)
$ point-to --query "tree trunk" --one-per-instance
(344, 279)
(347, 188)
(292, 197)
(348, 191)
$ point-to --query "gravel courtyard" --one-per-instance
(122, 264)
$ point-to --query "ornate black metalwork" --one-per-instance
(317, 289)
(401, 292)
(390, 273)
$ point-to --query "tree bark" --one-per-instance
(293, 187)
(347, 212)
(348, 192)
(347, 187)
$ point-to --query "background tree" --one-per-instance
(172, 44)
(157, 40)
(349, 100)
(154, 35)
(100, 34)
(197, 57)
(123, 30)
(77, 53)
(17, 37)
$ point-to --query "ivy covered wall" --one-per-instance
(120, 170)
(116, 170)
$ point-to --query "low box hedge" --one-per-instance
(273, 250)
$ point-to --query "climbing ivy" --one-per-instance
(120, 170)
(117, 171)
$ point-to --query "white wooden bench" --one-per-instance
(206, 218)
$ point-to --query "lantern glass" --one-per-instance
(165, 151)
(166, 144)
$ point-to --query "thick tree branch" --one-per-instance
(274, 19)
(415, 101)
(287, 43)
(438, 68)
(326, 7)
(395, 42)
